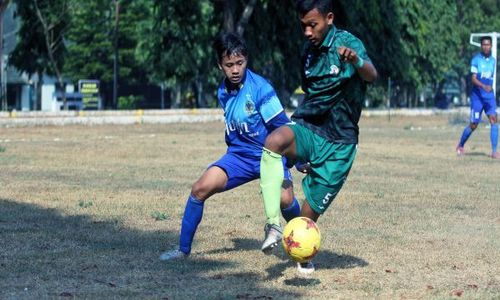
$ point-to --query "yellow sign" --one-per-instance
(90, 93)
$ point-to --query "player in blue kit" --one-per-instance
(251, 111)
(483, 68)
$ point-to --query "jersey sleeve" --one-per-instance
(356, 44)
(474, 65)
(279, 120)
(270, 105)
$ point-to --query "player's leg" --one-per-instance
(280, 142)
(490, 110)
(330, 166)
(213, 180)
(475, 118)
(290, 207)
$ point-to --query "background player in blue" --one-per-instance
(251, 111)
(483, 67)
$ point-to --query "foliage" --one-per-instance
(31, 53)
(90, 40)
(128, 102)
(418, 44)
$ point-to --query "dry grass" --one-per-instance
(85, 212)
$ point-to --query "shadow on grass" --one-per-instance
(323, 260)
(239, 244)
(476, 154)
(46, 254)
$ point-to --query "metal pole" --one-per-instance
(389, 98)
(494, 40)
(115, 56)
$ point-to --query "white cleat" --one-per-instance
(173, 254)
(305, 269)
(273, 234)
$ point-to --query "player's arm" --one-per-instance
(365, 69)
(479, 84)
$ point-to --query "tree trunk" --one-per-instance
(177, 96)
(228, 16)
(200, 99)
(48, 43)
(245, 17)
(3, 83)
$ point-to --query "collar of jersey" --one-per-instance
(228, 91)
(484, 56)
(328, 41)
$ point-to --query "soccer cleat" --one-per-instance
(273, 235)
(173, 254)
(495, 155)
(305, 269)
(460, 151)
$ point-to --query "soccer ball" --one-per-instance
(301, 239)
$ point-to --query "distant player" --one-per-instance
(251, 111)
(335, 71)
(482, 98)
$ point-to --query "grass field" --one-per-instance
(86, 211)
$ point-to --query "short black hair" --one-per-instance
(227, 44)
(305, 6)
(485, 38)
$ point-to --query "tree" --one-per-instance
(54, 27)
(40, 48)
(91, 41)
(177, 50)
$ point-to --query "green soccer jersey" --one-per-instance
(334, 90)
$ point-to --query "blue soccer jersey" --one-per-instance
(484, 68)
(250, 113)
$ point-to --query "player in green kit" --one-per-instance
(335, 72)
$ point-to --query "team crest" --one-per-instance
(249, 105)
(334, 70)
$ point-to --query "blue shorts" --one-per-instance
(478, 104)
(240, 169)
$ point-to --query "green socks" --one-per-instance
(271, 179)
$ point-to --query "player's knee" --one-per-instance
(493, 119)
(201, 191)
(473, 126)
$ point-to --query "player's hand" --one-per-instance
(348, 55)
(303, 167)
(487, 88)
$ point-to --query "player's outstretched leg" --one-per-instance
(192, 217)
(463, 139)
(271, 180)
(494, 141)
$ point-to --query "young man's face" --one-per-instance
(234, 67)
(486, 47)
(315, 26)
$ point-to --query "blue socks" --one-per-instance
(292, 211)
(465, 136)
(494, 137)
(192, 217)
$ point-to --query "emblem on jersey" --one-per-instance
(249, 105)
(334, 70)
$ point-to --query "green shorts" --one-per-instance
(330, 165)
